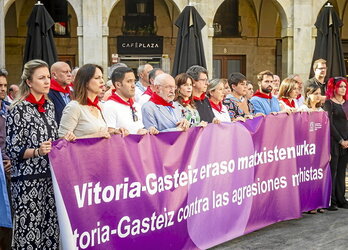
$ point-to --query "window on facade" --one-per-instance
(139, 18)
(59, 12)
(227, 22)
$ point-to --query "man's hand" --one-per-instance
(7, 165)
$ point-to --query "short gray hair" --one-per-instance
(195, 70)
(161, 79)
(213, 85)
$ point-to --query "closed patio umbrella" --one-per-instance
(328, 44)
(189, 45)
(40, 42)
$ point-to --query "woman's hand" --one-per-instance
(203, 124)
(69, 136)
(45, 147)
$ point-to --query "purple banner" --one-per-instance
(194, 189)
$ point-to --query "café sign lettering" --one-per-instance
(140, 45)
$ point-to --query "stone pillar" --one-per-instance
(105, 56)
(2, 34)
(304, 41)
(287, 52)
(92, 32)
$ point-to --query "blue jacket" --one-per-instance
(159, 116)
(265, 106)
(59, 104)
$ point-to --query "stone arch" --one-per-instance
(75, 4)
(112, 4)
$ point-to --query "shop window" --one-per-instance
(139, 18)
(59, 12)
(227, 22)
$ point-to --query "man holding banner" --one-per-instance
(160, 112)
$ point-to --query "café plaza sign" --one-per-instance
(140, 44)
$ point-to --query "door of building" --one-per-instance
(223, 66)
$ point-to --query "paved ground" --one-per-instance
(318, 231)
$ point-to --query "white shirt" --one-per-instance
(139, 90)
(223, 116)
(299, 102)
(144, 98)
(118, 115)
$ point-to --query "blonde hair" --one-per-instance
(316, 62)
(286, 87)
(27, 74)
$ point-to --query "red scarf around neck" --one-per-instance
(186, 102)
(201, 98)
(40, 103)
(94, 103)
(148, 91)
(217, 107)
(262, 95)
(287, 102)
(117, 98)
(156, 99)
(299, 96)
(55, 86)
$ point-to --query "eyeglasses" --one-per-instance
(3, 72)
(134, 114)
(322, 68)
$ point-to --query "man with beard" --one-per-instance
(263, 100)
(160, 112)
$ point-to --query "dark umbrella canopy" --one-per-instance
(328, 43)
(189, 45)
(40, 43)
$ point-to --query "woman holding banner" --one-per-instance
(31, 127)
(337, 109)
(216, 95)
(83, 116)
(183, 96)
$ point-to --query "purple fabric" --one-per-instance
(213, 208)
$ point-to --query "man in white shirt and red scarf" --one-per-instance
(121, 113)
(263, 100)
(60, 87)
(160, 112)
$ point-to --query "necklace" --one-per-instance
(339, 102)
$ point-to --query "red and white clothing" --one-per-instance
(220, 111)
(145, 97)
(119, 115)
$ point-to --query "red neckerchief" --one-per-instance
(94, 103)
(262, 95)
(156, 99)
(217, 107)
(116, 98)
(148, 91)
(55, 86)
(287, 102)
(299, 96)
(40, 104)
(187, 102)
(201, 98)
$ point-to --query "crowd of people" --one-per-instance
(52, 103)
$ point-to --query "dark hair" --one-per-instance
(310, 89)
(83, 76)
(152, 73)
(235, 78)
(263, 73)
(119, 73)
(3, 72)
(180, 80)
(195, 70)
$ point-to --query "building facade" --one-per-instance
(240, 35)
